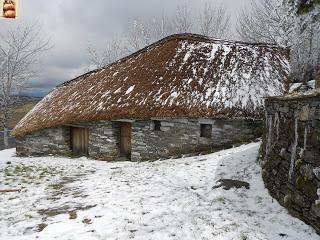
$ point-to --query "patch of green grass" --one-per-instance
(51, 212)
(221, 200)
(25, 108)
(25, 175)
(19, 112)
(56, 186)
(28, 216)
(307, 7)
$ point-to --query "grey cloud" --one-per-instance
(74, 24)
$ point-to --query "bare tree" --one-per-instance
(212, 20)
(215, 21)
(305, 54)
(113, 51)
(276, 22)
(265, 21)
(20, 49)
(161, 27)
(182, 20)
(139, 36)
(144, 33)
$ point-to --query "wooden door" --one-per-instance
(125, 139)
(79, 140)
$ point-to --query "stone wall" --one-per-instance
(229, 132)
(104, 140)
(176, 137)
(181, 136)
(44, 142)
(290, 155)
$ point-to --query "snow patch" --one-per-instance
(171, 199)
(130, 89)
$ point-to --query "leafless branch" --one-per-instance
(20, 49)
(113, 51)
(215, 21)
(182, 20)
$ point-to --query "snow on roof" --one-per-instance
(182, 75)
(296, 87)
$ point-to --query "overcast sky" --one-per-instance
(74, 24)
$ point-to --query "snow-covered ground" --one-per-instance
(173, 199)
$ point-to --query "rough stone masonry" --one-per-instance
(176, 136)
(290, 155)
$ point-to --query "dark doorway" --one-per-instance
(79, 140)
(125, 139)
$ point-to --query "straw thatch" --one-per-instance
(179, 76)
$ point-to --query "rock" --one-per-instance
(307, 188)
(87, 221)
(40, 227)
(287, 200)
(315, 209)
(72, 215)
(299, 200)
(282, 152)
(307, 171)
(306, 113)
(283, 235)
(308, 156)
(316, 172)
(229, 183)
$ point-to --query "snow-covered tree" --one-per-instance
(305, 51)
(161, 27)
(288, 23)
(20, 49)
(139, 36)
(182, 19)
(265, 21)
(215, 21)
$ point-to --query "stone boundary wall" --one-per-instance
(176, 137)
(290, 155)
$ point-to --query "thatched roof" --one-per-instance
(179, 76)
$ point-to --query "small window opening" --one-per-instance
(206, 130)
(157, 125)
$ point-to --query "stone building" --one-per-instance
(183, 94)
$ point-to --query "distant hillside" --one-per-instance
(22, 106)
(22, 100)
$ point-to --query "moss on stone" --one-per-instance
(299, 181)
(306, 187)
(70, 154)
(298, 164)
(307, 6)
